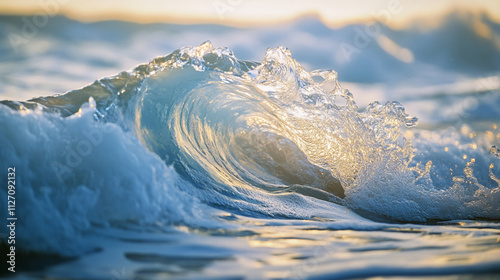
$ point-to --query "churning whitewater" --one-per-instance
(176, 140)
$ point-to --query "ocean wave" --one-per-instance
(177, 139)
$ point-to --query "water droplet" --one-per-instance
(495, 151)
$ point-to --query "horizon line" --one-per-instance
(427, 19)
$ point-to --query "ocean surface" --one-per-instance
(162, 151)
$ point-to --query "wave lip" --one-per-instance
(275, 101)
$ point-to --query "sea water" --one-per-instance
(201, 165)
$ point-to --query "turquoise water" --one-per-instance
(201, 164)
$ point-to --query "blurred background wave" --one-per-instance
(421, 53)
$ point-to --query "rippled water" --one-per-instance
(200, 165)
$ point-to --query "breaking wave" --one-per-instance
(186, 135)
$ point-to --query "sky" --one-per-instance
(247, 12)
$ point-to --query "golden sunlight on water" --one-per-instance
(250, 13)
